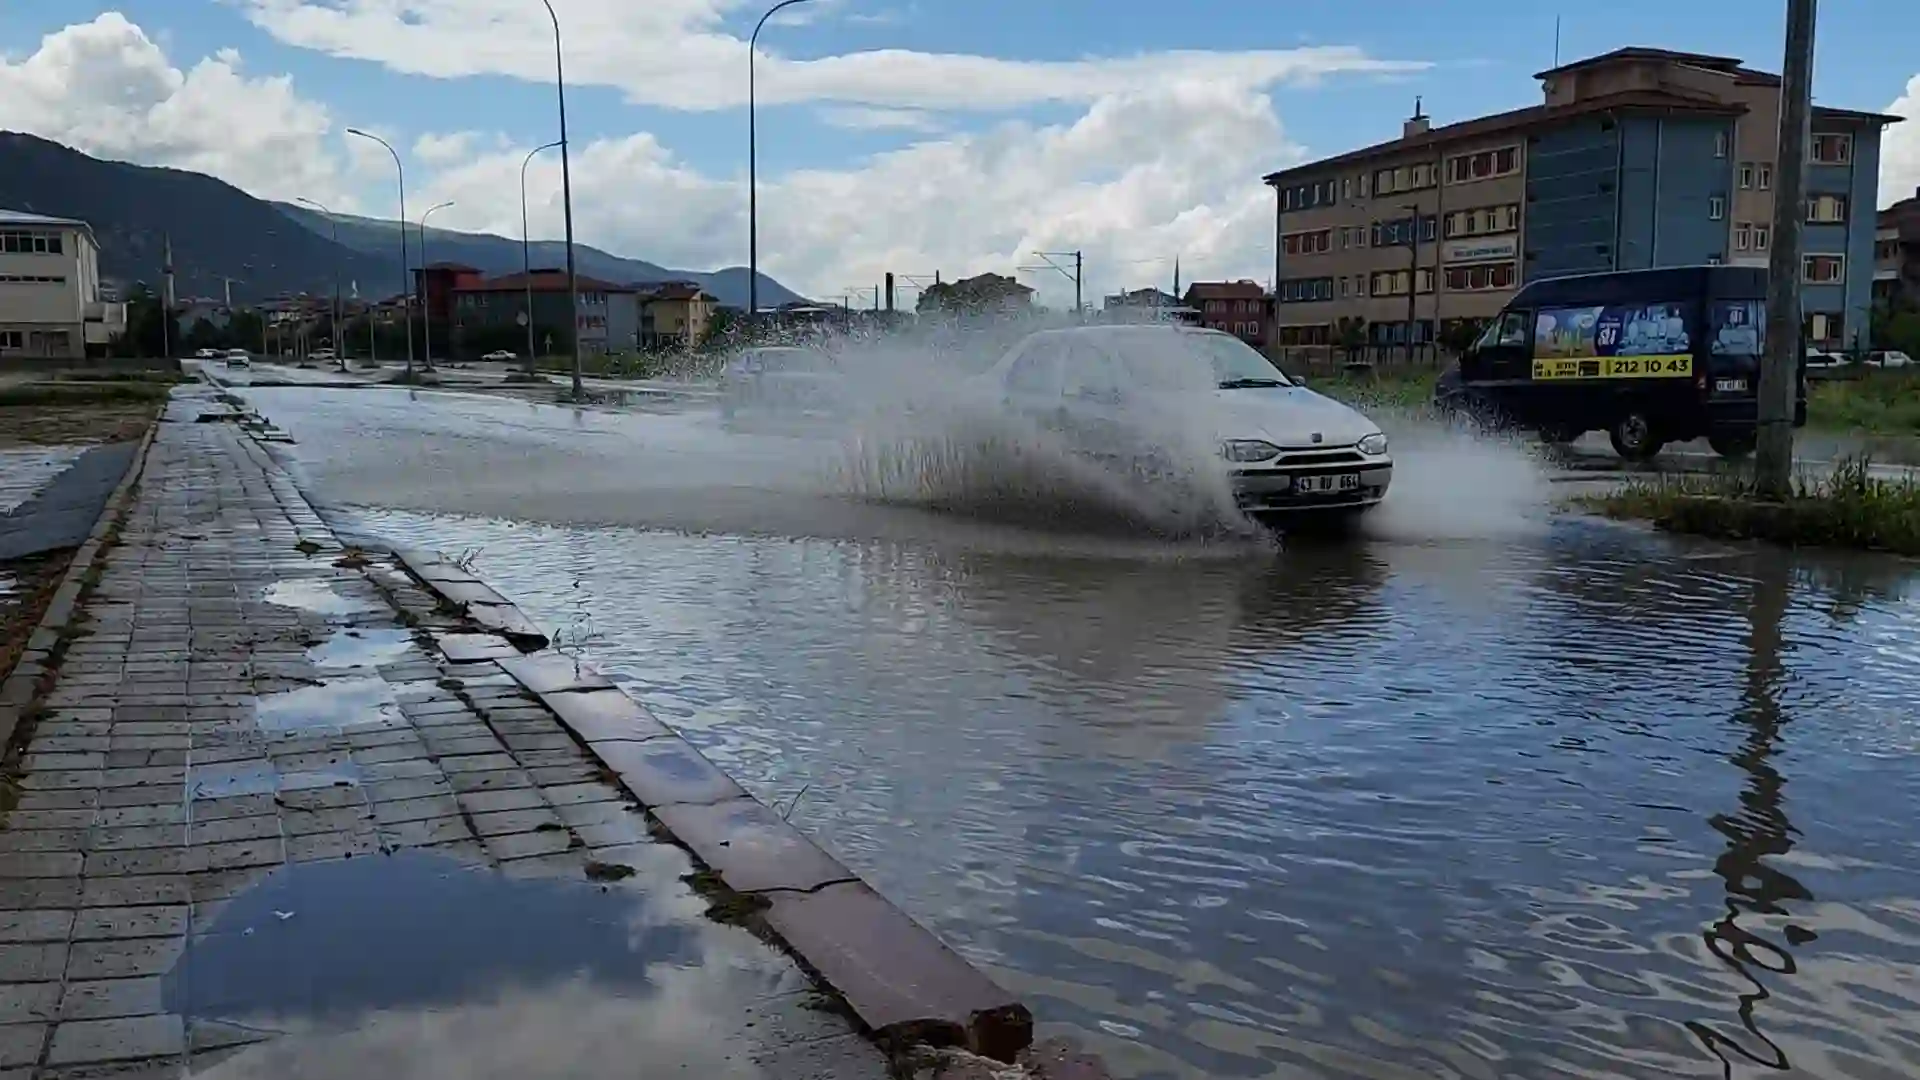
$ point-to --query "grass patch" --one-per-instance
(1849, 509)
(84, 393)
(1401, 388)
(1877, 403)
(166, 378)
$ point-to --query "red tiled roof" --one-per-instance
(1225, 290)
(542, 281)
(676, 290)
(1531, 116)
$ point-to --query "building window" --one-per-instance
(1483, 221)
(12, 339)
(1316, 242)
(1423, 280)
(1483, 165)
(1827, 209)
(1823, 269)
(1364, 178)
(1746, 176)
(1742, 236)
(1823, 327)
(1719, 144)
(1832, 149)
(30, 243)
(1763, 177)
(1716, 207)
(1480, 277)
(1346, 187)
(1762, 237)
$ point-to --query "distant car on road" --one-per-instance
(786, 379)
(1821, 364)
(1290, 451)
(238, 358)
(206, 354)
(1888, 358)
(323, 356)
(506, 355)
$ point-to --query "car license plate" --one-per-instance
(1317, 485)
(1729, 386)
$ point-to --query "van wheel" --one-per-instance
(1732, 447)
(1559, 435)
(1635, 437)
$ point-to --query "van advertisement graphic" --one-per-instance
(1630, 341)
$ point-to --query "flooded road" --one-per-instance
(1520, 794)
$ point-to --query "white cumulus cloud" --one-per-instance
(1900, 148)
(1153, 167)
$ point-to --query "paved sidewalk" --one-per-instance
(266, 828)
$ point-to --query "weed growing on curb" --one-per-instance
(1851, 508)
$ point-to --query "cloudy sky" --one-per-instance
(904, 135)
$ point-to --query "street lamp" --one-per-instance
(339, 345)
(406, 287)
(526, 258)
(566, 198)
(426, 287)
(753, 185)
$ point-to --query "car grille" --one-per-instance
(1294, 459)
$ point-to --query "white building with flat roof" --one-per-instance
(50, 306)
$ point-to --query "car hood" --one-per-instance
(1288, 416)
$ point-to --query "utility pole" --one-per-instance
(1074, 275)
(1779, 372)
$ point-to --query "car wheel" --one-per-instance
(1635, 437)
(1732, 447)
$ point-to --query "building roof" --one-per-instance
(462, 268)
(1729, 64)
(1822, 112)
(676, 290)
(1514, 120)
(1225, 290)
(22, 217)
(541, 281)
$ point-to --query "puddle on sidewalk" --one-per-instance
(352, 704)
(227, 779)
(361, 648)
(316, 595)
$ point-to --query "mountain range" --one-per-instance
(224, 238)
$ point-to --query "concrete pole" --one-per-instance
(426, 287)
(1779, 371)
(566, 202)
(526, 257)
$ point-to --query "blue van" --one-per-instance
(1647, 356)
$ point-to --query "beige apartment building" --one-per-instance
(1633, 159)
(50, 305)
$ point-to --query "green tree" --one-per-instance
(1350, 333)
(1458, 335)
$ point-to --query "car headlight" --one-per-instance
(1374, 445)
(1248, 450)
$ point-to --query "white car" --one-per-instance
(502, 355)
(1889, 358)
(1288, 450)
(1820, 364)
(238, 358)
(786, 379)
(206, 354)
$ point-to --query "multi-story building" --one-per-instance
(1635, 158)
(1240, 308)
(607, 315)
(1896, 255)
(675, 315)
(50, 306)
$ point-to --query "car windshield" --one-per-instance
(1170, 361)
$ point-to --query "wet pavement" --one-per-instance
(51, 496)
(265, 828)
(1491, 790)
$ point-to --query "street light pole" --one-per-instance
(339, 344)
(1413, 270)
(526, 257)
(566, 197)
(753, 165)
(426, 286)
(406, 287)
(1779, 370)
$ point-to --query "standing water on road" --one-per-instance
(1517, 795)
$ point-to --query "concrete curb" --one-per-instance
(902, 982)
(473, 597)
(22, 686)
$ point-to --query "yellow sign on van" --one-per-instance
(1639, 341)
(1615, 367)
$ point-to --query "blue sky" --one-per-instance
(1481, 54)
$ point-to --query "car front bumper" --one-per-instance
(1300, 489)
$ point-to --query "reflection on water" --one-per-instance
(1586, 803)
